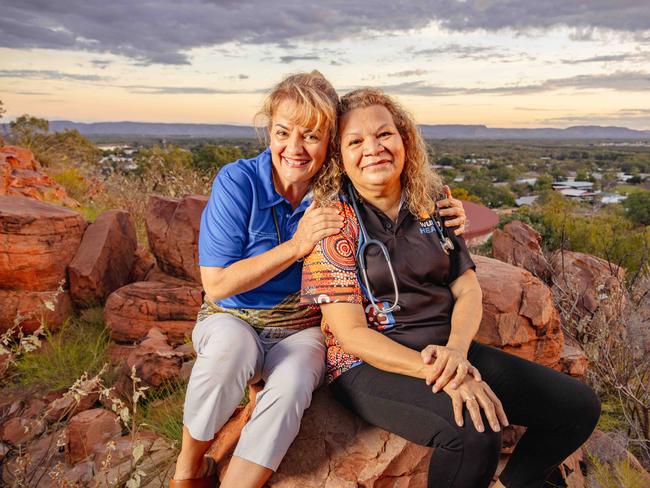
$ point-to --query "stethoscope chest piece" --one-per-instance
(447, 245)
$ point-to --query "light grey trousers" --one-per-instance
(230, 355)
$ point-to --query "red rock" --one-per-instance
(5, 179)
(28, 309)
(519, 244)
(19, 158)
(104, 259)
(155, 361)
(156, 274)
(605, 449)
(142, 264)
(118, 353)
(518, 313)
(187, 350)
(22, 175)
(173, 230)
(113, 463)
(20, 430)
(573, 361)
(89, 428)
(591, 283)
(37, 242)
(39, 457)
(343, 450)
(67, 405)
(134, 309)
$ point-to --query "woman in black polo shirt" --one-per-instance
(384, 330)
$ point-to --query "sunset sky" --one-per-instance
(509, 63)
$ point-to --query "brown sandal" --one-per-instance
(208, 480)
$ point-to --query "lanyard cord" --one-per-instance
(277, 225)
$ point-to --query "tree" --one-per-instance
(166, 161)
(637, 205)
(210, 156)
(28, 131)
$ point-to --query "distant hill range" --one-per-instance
(428, 131)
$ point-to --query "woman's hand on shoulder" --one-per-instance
(452, 207)
(477, 396)
(450, 367)
(315, 224)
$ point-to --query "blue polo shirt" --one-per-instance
(237, 223)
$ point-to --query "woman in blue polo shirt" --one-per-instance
(258, 225)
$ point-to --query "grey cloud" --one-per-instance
(455, 50)
(49, 75)
(640, 120)
(31, 93)
(409, 72)
(291, 59)
(607, 58)
(100, 63)
(635, 81)
(183, 90)
(164, 31)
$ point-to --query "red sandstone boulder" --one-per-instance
(173, 232)
(20, 430)
(104, 259)
(88, 429)
(69, 403)
(37, 242)
(588, 285)
(154, 360)
(336, 448)
(142, 263)
(22, 175)
(134, 309)
(113, 464)
(156, 274)
(29, 309)
(518, 313)
(519, 244)
(573, 360)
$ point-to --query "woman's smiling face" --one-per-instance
(297, 152)
(371, 148)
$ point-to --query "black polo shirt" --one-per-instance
(423, 271)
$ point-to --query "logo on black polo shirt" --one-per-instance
(426, 226)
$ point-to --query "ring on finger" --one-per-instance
(470, 398)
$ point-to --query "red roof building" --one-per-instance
(481, 222)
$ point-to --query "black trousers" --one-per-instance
(559, 412)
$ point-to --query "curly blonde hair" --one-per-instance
(420, 183)
(315, 102)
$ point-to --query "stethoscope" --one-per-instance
(445, 242)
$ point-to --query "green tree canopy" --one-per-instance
(28, 131)
(637, 205)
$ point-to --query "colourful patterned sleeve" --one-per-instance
(329, 273)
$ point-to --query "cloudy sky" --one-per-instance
(503, 63)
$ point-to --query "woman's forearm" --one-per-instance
(348, 324)
(467, 312)
(384, 353)
(249, 273)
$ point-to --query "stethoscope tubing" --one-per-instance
(445, 243)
